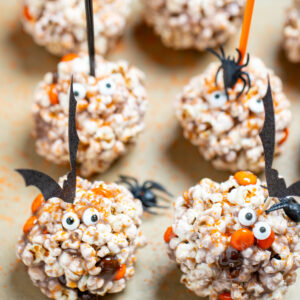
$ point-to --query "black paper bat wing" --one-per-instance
(294, 189)
(48, 186)
(90, 34)
(276, 185)
(69, 185)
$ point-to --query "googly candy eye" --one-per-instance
(106, 87)
(91, 216)
(217, 99)
(70, 221)
(256, 106)
(247, 216)
(262, 230)
(79, 90)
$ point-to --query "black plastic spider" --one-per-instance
(232, 70)
(144, 192)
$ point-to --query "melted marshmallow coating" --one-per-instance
(184, 24)
(110, 112)
(291, 33)
(66, 263)
(205, 217)
(227, 132)
(60, 25)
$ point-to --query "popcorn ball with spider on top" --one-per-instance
(291, 33)
(184, 24)
(227, 247)
(111, 108)
(221, 112)
(59, 25)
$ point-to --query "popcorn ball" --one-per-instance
(184, 24)
(110, 111)
(85, 248)
(225, 129)
(291, 33)
(59, 25)
(227, 246)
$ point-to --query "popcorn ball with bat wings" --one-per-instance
(111, 107)
(82, 237)
(239, 239)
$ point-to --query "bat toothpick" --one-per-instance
(90, 34)
(276, 186)
(48, 186)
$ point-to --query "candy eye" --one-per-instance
(91, 216)
(247, 216)
(217, 99)
(70, 221)
(256, 106)
(106, 87)
(262, 230)
(79, 90)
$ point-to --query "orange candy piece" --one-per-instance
(69, 57)
(225, 296)
(52, 93)
(169, 234)
(37, 203)
(29, 224)
(286, 132)
(245, 178)
(120, 273)
(27, 14)
(242, 239)
(267, 243)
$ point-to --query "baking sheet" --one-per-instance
(161, 152)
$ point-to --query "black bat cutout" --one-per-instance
(48, 186)
(90, 34)
(232, 71)
(276, 185)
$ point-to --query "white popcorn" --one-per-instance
(228, 135)
(60, 25)
(70, 262)
(183, 24)
(107, 124)
(262, 275)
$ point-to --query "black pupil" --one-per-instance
(217, 96)
(262, 229)
(76, 93)
(94, 218)
(70, 220)
(258, 100)
(249, 216)
(108, 85)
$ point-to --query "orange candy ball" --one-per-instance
(52, 93)
(169, 234)
(27, 14)
(225, 296)
(120, 273)
(37, 203)
(69, 57)
(30, 224)
(242, 239)
(267, 243)
(245, 178)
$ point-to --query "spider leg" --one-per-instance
(226, 93)
(149, 184)
(130, 186)
(247, 62)
(239, 56)
(222, 51)
(243, 89)
(212, 51)
(126, 178)
(248, 79)
(217, 74)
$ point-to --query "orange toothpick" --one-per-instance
(246, 28)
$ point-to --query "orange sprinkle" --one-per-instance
(27, 14)
(120, 273)
(245, 178)
(169, 234)
(52, 93)
(225, 296)
(286, 135)
(69, 57)
(267, 243)
(242, 239)
(37, 203)
(29, 224)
